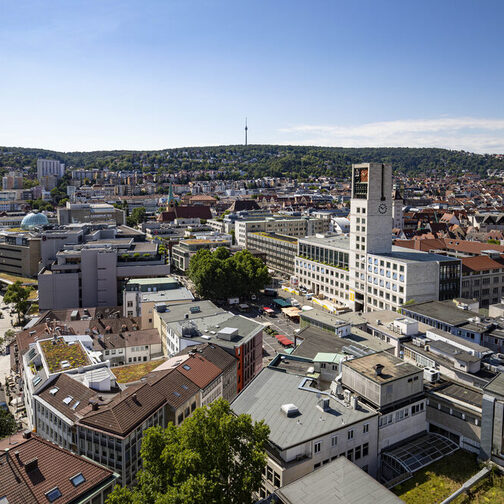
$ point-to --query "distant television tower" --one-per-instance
(246, 130)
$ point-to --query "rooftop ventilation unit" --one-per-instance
(227, 333)
(290, 410)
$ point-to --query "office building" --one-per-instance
(280, 250)
(298, 227)
(90, 213)
(380, 276)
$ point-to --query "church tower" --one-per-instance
(397, 209)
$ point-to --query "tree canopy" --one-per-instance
(213, 457)
(137, 217)
(18, 295)
(7, 423)
(220, 275)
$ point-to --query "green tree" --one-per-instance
(214, 457)
(220, 275)
(18, 295)
(137, 217)
(7, 423)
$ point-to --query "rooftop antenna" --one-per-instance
(246, 130)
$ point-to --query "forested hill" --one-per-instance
(262, 160)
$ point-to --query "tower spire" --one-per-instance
(246, 130)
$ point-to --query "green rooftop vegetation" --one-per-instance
(134, 372)
(439, 480)
(61, 356)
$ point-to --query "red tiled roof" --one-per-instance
(199, 370)
(127, 410)
(480, 263)
(28, 484)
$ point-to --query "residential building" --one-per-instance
(13, 180)
(226, 362)
(189, 324)
(280, 250)
(142, 295)
(34, 471)
(46, 167)
(483, 278)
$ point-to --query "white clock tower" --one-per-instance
(370, 222)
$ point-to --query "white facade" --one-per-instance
(47, 167)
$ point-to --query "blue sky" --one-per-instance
(88, 75)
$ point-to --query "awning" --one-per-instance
(291, 312)
(268, 310)
(283, 303)
(283, 339)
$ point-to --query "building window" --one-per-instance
(316, 447)
(349, 454)
(334, 441)
(350, 434)
(357, 453)
(276, 479)
(269, 474)
(365, 428)
(365, 449)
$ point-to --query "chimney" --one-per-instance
(378, 369)
(26, 434)
(16, 454)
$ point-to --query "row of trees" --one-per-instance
(260, 160)
(213, 457)
(220, 275)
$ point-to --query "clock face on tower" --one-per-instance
(382, 208)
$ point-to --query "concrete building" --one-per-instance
(93, 274)
(20, 254)
(492, 418)
(142, 295)
(308, 429)
(380, 276)
(394, 388)
(182, 253)
(280, 250)
(46, 167)
(298, 227)
(90, 213)
(13, 180)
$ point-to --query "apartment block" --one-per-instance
(46, 167)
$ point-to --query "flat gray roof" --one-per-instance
(179, 294)
(265, 395)
(444, 311)
(496, 386)
(324, 317)
(178, 312)
(401, 254)
(393, 367)
(339, 482)
(337, 242)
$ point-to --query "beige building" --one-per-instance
(20, 254)
(291, 226)
(90, 212)
(280, 250)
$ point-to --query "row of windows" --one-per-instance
(401, 414)
(352, 454)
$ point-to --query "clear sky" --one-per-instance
(149, 74)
